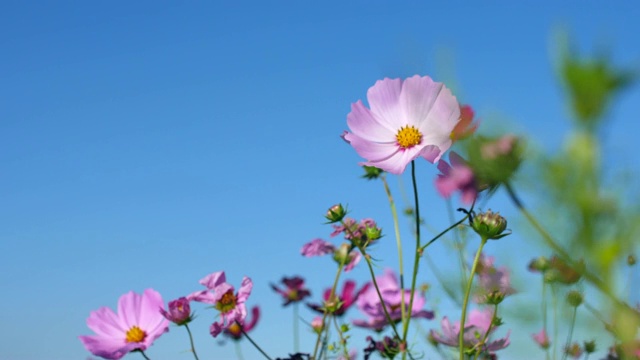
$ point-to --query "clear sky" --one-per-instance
(149, 143)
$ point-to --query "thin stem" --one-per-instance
(324, 316)
(555, 320)
(444, 232)
(416, 261)
(555, 246)
(569, 338)
(465, 303)
(459, 247)
(544, 315)
(486, 334)
(193, 348)
(296, 334)
(142, 353)
(254, 343)
(238, 351)
(396, 227)
(343, 341)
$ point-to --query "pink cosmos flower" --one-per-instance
(179, 311)
(475, 328)
(294, 290)
(136, 326)
(348, 296)
(492, 280)
(456, 177)
(319, 247)
(542, 339)
(464, 128)
(407, 119)
(369, 303)
(221, 296)
(234, 331)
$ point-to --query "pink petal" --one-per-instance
(372, 150)
(384, 101)
(418, 98)
(129, 309)
(212, 281)
(105, 322)
(108, 348)
(365, 125)
(245, 289)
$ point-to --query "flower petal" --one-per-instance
(108, 348)
(384, 101)
(212, 281)
(245, 289)
(364, 124)
(129, 309)
(104, 322)
(370, 150)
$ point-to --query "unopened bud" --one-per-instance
(631, 260)
(490, 225)
(317, 324)
(540, 264)
(590, 346)
(341, 255)
(336, 213)
(575, 298)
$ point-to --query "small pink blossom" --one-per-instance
(317, 247)
(542, 339)
(179, 311)
(221, 295)
(456, 177)
(475, 329)
(407, 119)
(464, 128)
(347, 296)
(294, 290)
(234, 331)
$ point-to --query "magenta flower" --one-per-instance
(221, 296)
(234, 331)
(369, 303)
(542, 339)
(456, 177)
(475, 329)
(294, 290)
(407, 119)
(348, 296)
(136, 326)
(465, 127)
(179, 311)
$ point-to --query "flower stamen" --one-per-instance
(227, 302)
(408, 136)
(135, 334)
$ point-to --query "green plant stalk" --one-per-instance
(555, 246)
(193, 348)
(465, 302)
(343, 340)
(443, 233)
(459, 247)
(254, 343)
(544, 314)
(570, 336)
(486, 334)
(555, 320)
(238, 351)
(416, 261)
(296, 331)
(142, 353)
(324, 317)
(396, 227)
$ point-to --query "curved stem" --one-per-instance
(465, 303)
(444, 232)
(343, 340)
(254, 343)
(193, 348)
(418, 252)
(396, 227)
(142, 353)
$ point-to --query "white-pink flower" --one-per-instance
(407, 119)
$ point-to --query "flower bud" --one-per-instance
(342, 254)
(631, 260)
(590, 346)
(317, 324)
(371, 172)
(336, 213)
(540, 264)
(489, 225)
(575, 298)
(179, 311)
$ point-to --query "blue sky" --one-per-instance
(148, 144)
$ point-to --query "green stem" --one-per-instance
(444, 232)
(238, 351)
(193, 348)
(555, 246)
(324, 316)
(555, 320)
(142, 353)
(465, 303)
(396, 227)
(416, 261)
(570, 336)
(296, 334)
(459, 246)
(254, 343)
(343, 341)
(486, 334)
(544, 315)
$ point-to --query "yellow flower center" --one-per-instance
(135, 334)
(227, 302)
(408, 136)
(234, 329)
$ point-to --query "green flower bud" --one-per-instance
(371, 172)
(336, 213)
(489, 225)
(540, 264)
(590, 346)
(342, 254)
(575, 298)
(631, 260)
